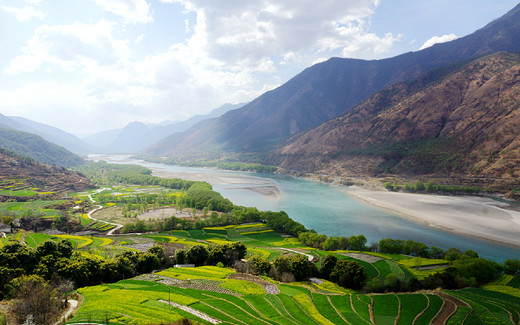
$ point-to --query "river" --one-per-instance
(324, 208)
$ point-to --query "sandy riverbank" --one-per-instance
(471, 216)
(236, 181)
(258, 185)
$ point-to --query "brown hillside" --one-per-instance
(464, 124)
(21, 172)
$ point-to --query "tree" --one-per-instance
(452, 254)
(197, 255)
(357, 243)
(348, 274)
(328, 264)
(299, 267)
(180, 257)
(147, 263)
(259, 265)
(512, 267)
(331, 244)
(35, 297)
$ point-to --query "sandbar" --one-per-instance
(258, 185)
(473, 216)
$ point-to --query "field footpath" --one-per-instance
(99, 207)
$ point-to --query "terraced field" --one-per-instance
(166, 296)
(212, 295)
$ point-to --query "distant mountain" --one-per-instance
(49, 133)
(329, 89)
(102, 139)
(137, 136)
(36, 147)
(30, 173)
(458, 121)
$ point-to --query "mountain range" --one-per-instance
(459, 120)
(137, 136)
(47, 132)
(330, 89)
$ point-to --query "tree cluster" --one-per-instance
(431, 187)
(346, 273)
(409, 247)
(465, 271)
(55, 260)
(225, 255)
(220, 165)
(278, 221)
(333, 243)
(201, 195)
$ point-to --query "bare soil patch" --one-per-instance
(363, 257)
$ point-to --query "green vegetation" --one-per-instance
(226, 165)
(431, 187)
(35, 147)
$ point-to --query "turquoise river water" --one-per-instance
(330, 211)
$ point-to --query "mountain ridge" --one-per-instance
(463, 124)
(49, 133)
(34, 146)
(329, 89)
(136, 136)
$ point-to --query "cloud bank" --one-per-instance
(117, 61)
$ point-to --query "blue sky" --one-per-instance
(91, 65)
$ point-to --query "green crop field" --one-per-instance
(211, 294)
(146, 301)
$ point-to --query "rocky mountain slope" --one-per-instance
(329, 89)
(458, 121)
(17, 171)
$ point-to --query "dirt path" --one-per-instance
(448, 308)
(117, 226)
(73, 304)
(309, 256)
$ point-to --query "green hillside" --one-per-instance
(37, 148)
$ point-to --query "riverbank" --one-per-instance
(478, 217)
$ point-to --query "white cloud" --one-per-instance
(233, 54)
(246, 31)
(438, 39)
(69, 47)
(25, 13)
(133, 11)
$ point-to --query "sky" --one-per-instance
(91, 65)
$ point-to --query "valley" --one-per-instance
(347, 185)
